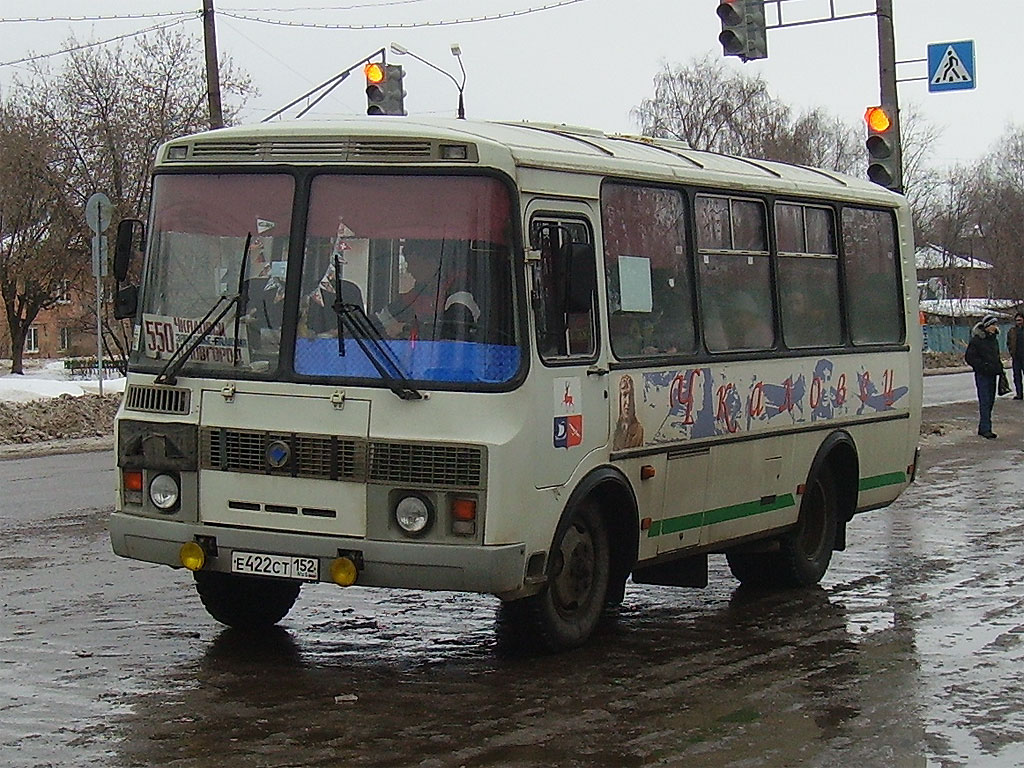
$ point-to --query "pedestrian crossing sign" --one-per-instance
(951, 66)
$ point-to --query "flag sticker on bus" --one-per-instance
(568, 423)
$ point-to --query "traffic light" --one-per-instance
(744, 32)
(384, 92)
(884, 162)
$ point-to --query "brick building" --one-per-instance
(65, 330)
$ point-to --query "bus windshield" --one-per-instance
(424, 262)
(206, 229)
(402, 277)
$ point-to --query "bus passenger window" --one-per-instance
(872, 280)
(808, 270)
(735, 277)
(645, 240)
(562, 330)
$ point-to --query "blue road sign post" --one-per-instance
(951, 66)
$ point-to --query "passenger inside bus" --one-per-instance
(318, 316)
(438, 305)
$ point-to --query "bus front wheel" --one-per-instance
(245, 602)
(568, 609)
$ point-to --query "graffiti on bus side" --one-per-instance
(677, 405)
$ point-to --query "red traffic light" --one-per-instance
(727, 12)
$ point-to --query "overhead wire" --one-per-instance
(114, 17)
(407, 25)
(83, 46)
(303, 8)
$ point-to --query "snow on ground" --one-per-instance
(45, 379)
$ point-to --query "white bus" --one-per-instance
(518, 359)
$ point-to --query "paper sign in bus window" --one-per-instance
(635, 284)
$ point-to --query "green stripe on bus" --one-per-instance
(720, 515)
(878, 481)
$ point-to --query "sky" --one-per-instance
(578, 62)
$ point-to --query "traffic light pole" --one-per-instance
(887, 77)
(326, 86)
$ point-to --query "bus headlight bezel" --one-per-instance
(165, 492)
(414, 514)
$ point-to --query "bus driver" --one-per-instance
(432, 307)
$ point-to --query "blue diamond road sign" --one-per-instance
(951, 66)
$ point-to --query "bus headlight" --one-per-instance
(164, 492)
(414, 514)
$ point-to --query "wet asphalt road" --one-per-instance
(910, 653)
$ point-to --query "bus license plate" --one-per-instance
(281, 566)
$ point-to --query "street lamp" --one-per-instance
(401, 50)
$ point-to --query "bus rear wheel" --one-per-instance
(566, 612)
(756, 569)
(806, 551)
(245, 602)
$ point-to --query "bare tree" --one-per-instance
(109, 110)
(710, 106)
(37, 240)
(112, 108)
(924, 185)
(999, 188)
(707, 105)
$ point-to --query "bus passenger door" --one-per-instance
(570, 388)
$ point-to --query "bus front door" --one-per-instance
(571, 376)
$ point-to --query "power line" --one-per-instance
(156, 15)
(83, 46)
(300, 9)
(446, 22)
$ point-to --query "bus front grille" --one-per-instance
(424, 464)
(329, 457)
(269, 453)
(156, 399)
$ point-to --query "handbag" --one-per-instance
(1002, 385)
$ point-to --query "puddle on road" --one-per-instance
(909, 652)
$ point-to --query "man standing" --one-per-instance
(1015, 346)
(983, 356)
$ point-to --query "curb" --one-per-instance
(56, 447)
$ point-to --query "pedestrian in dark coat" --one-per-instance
(1015, 346)
(983, 356)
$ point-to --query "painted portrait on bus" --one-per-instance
(629, 432)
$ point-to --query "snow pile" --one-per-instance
(49, 379)
(45, 405)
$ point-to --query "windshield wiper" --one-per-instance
(242, 297)
(370, 340)
(168, 374)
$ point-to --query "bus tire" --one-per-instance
(245, 602)
(567, 610)
(806, 551)
(754, 569)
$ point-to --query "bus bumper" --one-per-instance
(401, 564)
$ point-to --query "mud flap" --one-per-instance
(685, 572)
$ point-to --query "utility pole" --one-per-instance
(212, 69)
(887, 79)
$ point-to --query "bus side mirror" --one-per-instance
(581, 277)
(125, 247)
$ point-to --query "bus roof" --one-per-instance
(391, 140)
